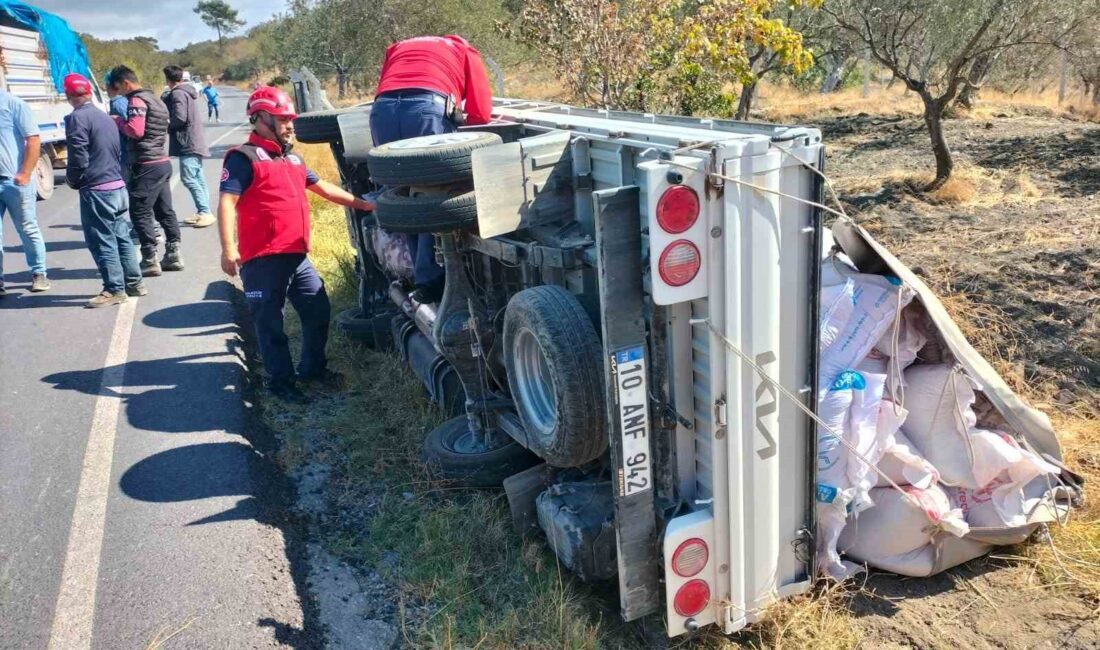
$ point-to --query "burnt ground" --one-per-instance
(1023, 253)
(1017, 261)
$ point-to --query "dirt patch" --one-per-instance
(1024, 247)
(1017, 263)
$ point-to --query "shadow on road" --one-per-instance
(208, 391)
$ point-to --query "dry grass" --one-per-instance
(969, 186)
(781, 102)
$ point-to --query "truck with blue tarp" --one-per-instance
(37, 50)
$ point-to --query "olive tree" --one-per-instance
(932, 45)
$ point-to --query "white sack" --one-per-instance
(900, 523)
(852, 407)
(904, 465)
(836, 310)
(1006, 469)
(940, 402)
(875, 304)
(940, 555)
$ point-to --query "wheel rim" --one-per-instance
(433, 141)
(466, 443)
(534, 383)
(45, 177)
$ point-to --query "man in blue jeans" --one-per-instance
(187, 141)
(93, 168)
(20, 146)
(429, 85)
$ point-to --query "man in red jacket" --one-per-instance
(263, 199)
(429, 85)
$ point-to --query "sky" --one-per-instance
(172, 22)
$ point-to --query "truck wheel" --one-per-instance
(320, 127)
(429, 159)
(354, 326)
(555, 373)
(397, 211)
(453, 453)
(43, 173)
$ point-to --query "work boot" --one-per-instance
(150, 267)
(39, 283)
(287, 392)
(172, 260)
(329, 379)
(106, 299)
(137, 289)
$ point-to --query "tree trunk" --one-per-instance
(979, 70)
(836, 73)
(744, 103)
(341, 82)
(933, 119)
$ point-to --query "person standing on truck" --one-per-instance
(429, 85)
(94, 169)
(187, 141)
(20, 147)
(263, 201)
(211, 95)
(145, 129)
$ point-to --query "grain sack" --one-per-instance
(900, 523)
(876, 301)
(903, 465)
(939, 399)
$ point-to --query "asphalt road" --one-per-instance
(138, 500)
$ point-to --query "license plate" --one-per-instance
(629, 371)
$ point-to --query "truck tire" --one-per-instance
(43, 173)
(354, 326)
(450, 456)
(428, 160)
(396, 211)
(320, 127)
(556, 375)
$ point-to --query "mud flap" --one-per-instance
(619, 261)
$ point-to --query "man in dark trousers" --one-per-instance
(145, 130)
(429, 85)
(263, 199)
(187, 141)
(93, 168)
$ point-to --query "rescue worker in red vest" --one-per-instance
(429, 85)
(263, 201)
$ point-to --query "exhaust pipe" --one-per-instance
(422, 314)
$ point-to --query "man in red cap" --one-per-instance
(429, 85)
(95, 170)
(263, 199)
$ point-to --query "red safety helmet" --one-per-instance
(271, 100)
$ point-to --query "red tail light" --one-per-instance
(679, 263)
(690, 557)
(677, 209)
(692, 598)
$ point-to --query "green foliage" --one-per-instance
(139, 54)
(661, 55)
(219, 16)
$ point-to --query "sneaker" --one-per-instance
(192, 219)
(203, 219)
(137, 290)
(326, 378)
(39, 283)
(106, 299)
(288, 392)
(172, 260)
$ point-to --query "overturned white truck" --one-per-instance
(633, 339)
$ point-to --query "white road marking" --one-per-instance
(228, 133)
(74, 615)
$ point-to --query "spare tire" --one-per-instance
(556, 375)
(429, 159)
(320, 127)
(397, 211)
(452, 453)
